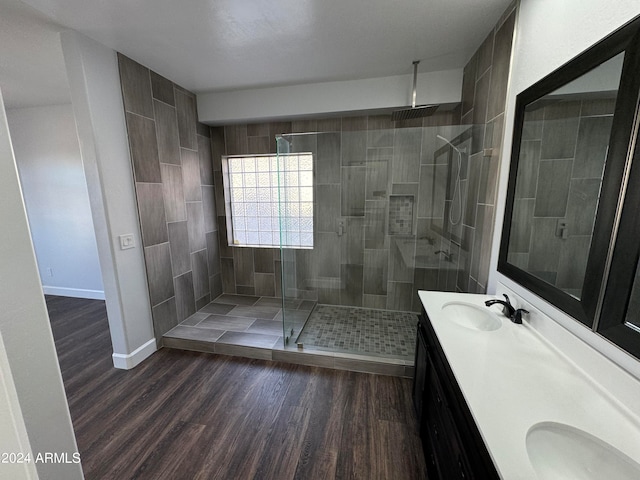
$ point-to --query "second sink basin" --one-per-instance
(559, 451)
(471, 316)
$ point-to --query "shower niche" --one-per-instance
(401, 214)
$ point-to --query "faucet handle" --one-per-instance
(517, 315)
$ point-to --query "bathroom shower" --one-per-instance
(379, 195)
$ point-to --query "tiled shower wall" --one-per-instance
(245, 271)
(484, 92)
(172, 167)
(367, 175)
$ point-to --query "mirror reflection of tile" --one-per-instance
(562, 159)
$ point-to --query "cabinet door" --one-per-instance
(438, 432)
(420, 376)
(449, 452)
(452, 444)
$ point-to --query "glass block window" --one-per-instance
(263, 201)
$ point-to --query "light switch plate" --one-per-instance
(126, 241)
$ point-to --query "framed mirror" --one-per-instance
(572, 133)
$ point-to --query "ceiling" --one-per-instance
(217, 45)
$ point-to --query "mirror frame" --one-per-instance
(625, 259)
(586, 308)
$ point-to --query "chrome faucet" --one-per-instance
(515, 315)
(448, 257)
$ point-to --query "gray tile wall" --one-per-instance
(484, 91)
(367, 178)
(172, 165)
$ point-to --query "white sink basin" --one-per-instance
(471, 316)
(558, 451)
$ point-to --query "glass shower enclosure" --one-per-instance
(369, 215)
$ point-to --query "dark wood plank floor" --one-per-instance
(186, 415)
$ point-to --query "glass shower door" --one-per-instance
(283, 148)
(296, 215)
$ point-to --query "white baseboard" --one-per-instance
(130, 360)
(73, 292)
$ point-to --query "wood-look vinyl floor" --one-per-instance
(186, 415)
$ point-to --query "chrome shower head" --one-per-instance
(414, 111)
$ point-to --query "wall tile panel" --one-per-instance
(182, 252)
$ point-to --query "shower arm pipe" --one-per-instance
(415, 83)
(450, 144)
(487, 152)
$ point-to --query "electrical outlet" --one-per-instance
(126, 241)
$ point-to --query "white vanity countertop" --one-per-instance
(513, 379)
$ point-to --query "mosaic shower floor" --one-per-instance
(251, 327)
(360, 330)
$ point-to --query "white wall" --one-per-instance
(13, 432)
(46, 148)
(329, 97)
(96, 97)
(549, 34)
(25, 329)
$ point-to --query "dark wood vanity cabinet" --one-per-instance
(452, 444)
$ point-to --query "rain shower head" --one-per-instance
(414, 112)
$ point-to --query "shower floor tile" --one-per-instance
(276, 302)
(248, 339)
(360, 330)
(267, 327)
(241, 320)
(231, 325)
(217, 308)
(226, 322)
(194, 333)
(232, 299)
(262, 312)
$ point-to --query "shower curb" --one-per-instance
(394, 367)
